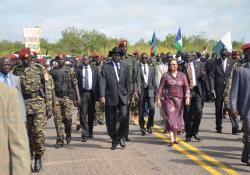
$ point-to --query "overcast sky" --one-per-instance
(130, 19)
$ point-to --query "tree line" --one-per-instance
(79, 42)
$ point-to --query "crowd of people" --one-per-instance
(114, 88)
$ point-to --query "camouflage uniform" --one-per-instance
(64, 79)
(36, 89)
(133, 71)
(235, 126)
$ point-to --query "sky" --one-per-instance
(129, 19)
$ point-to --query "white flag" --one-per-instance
(226, 40)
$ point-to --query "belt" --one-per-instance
(28, 96)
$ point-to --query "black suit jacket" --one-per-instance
(110, 88)
(95, 79)
(151, 81)
(220, 77)
(201, 80)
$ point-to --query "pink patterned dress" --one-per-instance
(173, 91)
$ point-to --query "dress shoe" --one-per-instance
(176, 142)
(219, 131)
(114, 145)
(38, 163)
(84, 139)
(68, 139)
(91, 136)
(59, 145)
(149, 129)
(170, 143)
(78, 127)
(143, 131)
(127, 139)
(122, 142)
(188, 139)
(196, 137)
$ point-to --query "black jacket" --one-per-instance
(110, 88)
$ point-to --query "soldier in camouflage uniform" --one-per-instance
(235, 125)
(100, 118)
(131, 61)
(77, 64)
(64, 80)
(38, 100)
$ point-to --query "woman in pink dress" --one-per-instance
(173, 94)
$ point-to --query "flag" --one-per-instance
(178, 40)
(225, 42)
(153, 46)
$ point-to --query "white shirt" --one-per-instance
(193, 74)
(2, 78)
(89, 77)
(224, 64)
(116, 71)
(145, 76)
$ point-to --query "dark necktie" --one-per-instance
(145, 69)
(6, 79)
(118, 69)
(190, 75)
(86, 78)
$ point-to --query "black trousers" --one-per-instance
(127, 120)
(193, 113)
(115, 117)
(143, 100)
(87, 112)
(218, 112)
(246, 149)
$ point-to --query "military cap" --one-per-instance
(60, 56)
(123, 43)
(11, 56)
(24, 53)
(41, 60)
(246, 46)
(235, 53)
(116, 51)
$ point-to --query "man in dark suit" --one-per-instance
(87, 77)
(10, 79)
(222, 69)
(240, 99)
(114, 92)
(146, 91)
(195, 72)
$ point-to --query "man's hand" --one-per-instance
(234, 113)
(187, 101)
(54, 111)
(49, 114)
(102, 101)
(158, 103)
(78, 103)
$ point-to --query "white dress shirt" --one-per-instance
(145, 76)
(3, 77)
(89, 77)
(193, 74)
(116, 71)
(224, 64)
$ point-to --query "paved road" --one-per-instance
(215, 154)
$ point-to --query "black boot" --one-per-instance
(38, 163)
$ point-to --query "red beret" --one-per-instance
(94, 55)
(41, 60)
(60, 56)
(24, 53)
(123, 43)
(78, 58)
(246, 46)
(34, 54)
(11, 56)
(235, 53)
